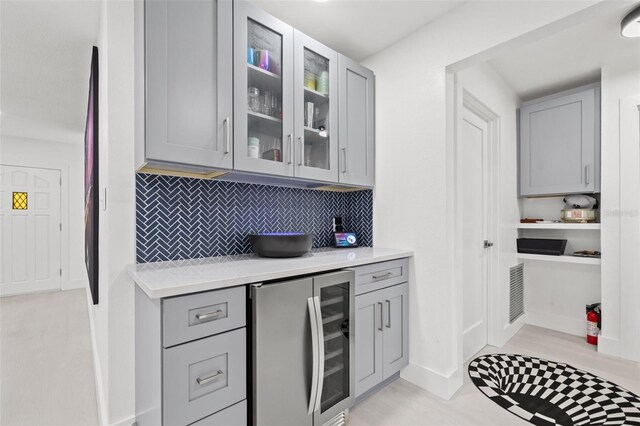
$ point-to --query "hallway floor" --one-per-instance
(403, 403)
(46, 364)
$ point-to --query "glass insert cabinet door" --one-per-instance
(336, 296)
(316, 112)
(263, 88)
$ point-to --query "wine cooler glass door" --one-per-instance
(337, 381)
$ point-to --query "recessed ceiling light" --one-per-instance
(630, 25)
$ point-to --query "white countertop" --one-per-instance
(173, 278)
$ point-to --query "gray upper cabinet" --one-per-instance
(560, 143)
(188, 83)
(263, 92)
(316, 109)
(356, 123)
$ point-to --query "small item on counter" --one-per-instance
(323, 83)
(309, 80)
(527, 220)
(587, 253)
(264, 60)
(251, 56)
(253, 147)
(309, 114)
(345, 239)
(254, 99)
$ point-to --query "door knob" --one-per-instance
(487, 244)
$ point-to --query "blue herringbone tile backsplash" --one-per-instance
(182, 218)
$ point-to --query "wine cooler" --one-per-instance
(303, 349)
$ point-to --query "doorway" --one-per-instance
(30, 225)
(476, 137)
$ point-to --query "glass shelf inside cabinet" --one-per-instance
(316, 112)
(264, 93)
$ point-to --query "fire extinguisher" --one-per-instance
(593, 323)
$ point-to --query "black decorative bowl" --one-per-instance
(281, 244)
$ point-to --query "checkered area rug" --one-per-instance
(552, 393)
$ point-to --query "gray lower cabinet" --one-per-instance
(356, 136)
(184, 86)
(382, 335)
(191, 358)
(560, 143)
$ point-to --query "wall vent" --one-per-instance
(516, 292)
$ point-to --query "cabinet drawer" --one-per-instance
(236, 415)
(203, 377)
(379, 275)
(192, 317)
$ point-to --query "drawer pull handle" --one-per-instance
(209, 315)
(203, 381)
(377, 277)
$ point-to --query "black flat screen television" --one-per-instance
(91, 196)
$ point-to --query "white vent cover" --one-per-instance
(516, 292)
(340, 419)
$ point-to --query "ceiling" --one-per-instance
(45, 56)
(357, 28)
(569, 58)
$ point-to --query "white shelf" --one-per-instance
(580, 226)
(560, 259)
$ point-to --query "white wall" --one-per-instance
(620, 215)
(69, 158)
(413, 204)
(112, 320)
(486, 85)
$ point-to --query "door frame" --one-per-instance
(64, 220)
(465, 99)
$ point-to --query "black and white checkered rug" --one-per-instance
(552, 393)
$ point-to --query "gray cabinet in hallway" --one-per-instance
(560, 143)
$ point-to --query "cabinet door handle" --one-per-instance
(227, 136)
(377, 277)
(290, 149)
(587, 173)
(209, 315)
(388, 313)
(301, 147)
(380, 328)
(344, 163)
(203, 381)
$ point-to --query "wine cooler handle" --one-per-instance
(315, 370)
(320, 331)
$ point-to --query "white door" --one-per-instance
(30, 230)
(474, 198)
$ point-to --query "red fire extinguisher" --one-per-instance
(593, 323)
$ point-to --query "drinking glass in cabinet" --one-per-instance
(317, 149)
(264, 116)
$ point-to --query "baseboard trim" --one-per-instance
(510, 330)
(97, 371)
(442, 385)
(608, 346)
(129, 421)
(557, 322)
